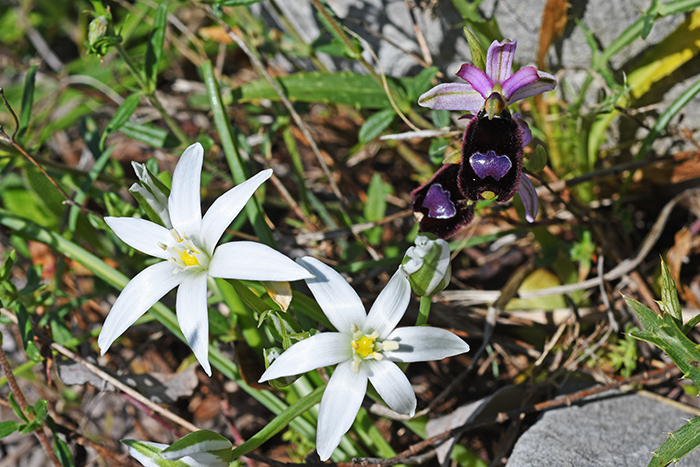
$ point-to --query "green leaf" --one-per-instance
(63, 452)
(30, 427)
(147, 134)
(40, 410)
(420, 83)
(154, 51)
(375, 208)
(235, 2)
(669, 296)
(6, 267)
(666, 335)
(649, 17)
(344, 88)
(476, 49)
(375, 125)
(240, 172)
(121, 116)
(678, 444)
(279, 422)
(25, 328)
(27, 101)
(666, 117)
(538, 160)
(8, 427)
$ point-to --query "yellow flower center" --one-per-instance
(184, 254)
(364, 346)
(188, 258)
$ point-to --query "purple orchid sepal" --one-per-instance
(528, 195)
(498, 77)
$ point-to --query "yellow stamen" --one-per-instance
(188, 258)
(488, 195)
(364, 346)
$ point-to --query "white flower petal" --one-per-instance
(254, 261)
(337, 299)
(184, 201)
(392, 385)
(423, 343)
(339, 405)
(140, 294)
(227, 207)
(325, 349)
(140, 234)
(192, 316)
(390, 306)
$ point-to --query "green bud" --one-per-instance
(428, 265)
(152, 195)
(97, 29)
(100, 34)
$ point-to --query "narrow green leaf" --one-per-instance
(120, 117)
(94, 173)
(148, 454)
(25, 329)
(375, 125)
(344, 88)
(235, 2)
(6, 267)
(375, 208)
(678, 6)
(669, 296)
(63, 452)
(666, 117)
(678, 444)
(154, 51)
(420, 83)
(279, 422)
(150, 135)
(27, 101)
(691, 323)
(649, 17)
(233, 157)
(30, 427)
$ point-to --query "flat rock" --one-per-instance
(611, 429)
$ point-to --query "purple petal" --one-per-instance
(524, 128)
(489, 164)
(528, 196)
(527, 82)
(438, 203)
(452, 96)
(477, 78)
(499, 60)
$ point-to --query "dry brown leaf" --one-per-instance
(553, 22)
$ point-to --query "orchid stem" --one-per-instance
(424, 311)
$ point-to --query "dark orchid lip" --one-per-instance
(439, 206)
(492, 157)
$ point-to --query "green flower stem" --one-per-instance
(153, 99)
(162, 313)
(424, 311)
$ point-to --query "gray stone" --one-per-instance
(612, 429)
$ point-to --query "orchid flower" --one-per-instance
(365, 348)
(191, 255)
(492, 149)
(497, 78)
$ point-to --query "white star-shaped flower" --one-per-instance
(365, 347)
(191, 255)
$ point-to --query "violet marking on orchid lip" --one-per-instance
(490, 164)
(438, 203)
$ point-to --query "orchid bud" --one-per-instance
(152, 195)
(428, 265)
